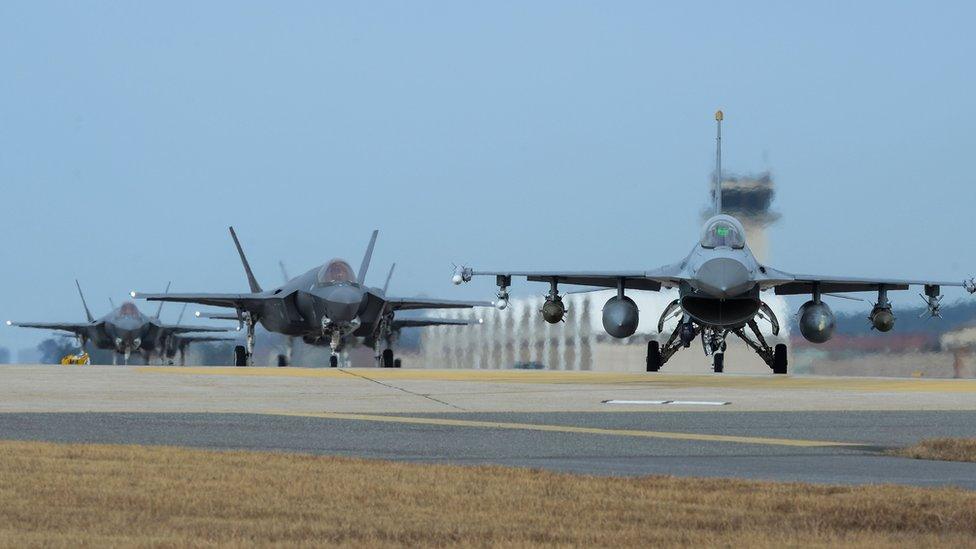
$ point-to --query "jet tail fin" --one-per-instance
(717, 196)
(369, 255)
(159, 311)
(255, 287)
(180, 318)
(386, 286)
(284, 272)
(83, 303)
(111, 302)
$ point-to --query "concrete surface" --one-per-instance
(831, 430)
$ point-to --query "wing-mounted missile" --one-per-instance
(462, 274)
(553, 310)
(970, 285)
(933, 302)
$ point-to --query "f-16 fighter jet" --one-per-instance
(328, 305)
(124, 330)
(720, 285)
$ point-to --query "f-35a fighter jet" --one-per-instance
(328, 305)
(720, 285)
(124, 330)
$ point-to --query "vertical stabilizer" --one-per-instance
(85, 305)
(369, 255)
(180, 318)
(159, 311)
(388, 277)
(284, 272)
(252, 282)
(718, 162)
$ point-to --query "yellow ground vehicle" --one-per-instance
(80, 359)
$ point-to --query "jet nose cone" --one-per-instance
(342, 303)
(723, 277)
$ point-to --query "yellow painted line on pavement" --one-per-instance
(448, 422)
(678, 381)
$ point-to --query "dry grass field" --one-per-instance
(90, 495)
(943, 449)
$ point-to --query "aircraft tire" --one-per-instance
(397, 363)
(718, 362)
(653, 356)
(334, 361)
(282, 361)
(240, 356)
(387, 358)
(779, 359)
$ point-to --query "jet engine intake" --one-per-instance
(816, 322)
(620, 316)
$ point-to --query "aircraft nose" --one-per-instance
(342, 303)
(723, 277)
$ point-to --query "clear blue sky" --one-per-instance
(515, 134)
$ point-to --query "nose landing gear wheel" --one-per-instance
(282, 361)
(653, 356)
(387, 358)
(397, 363)
(240, 356)
(779, 359)
(334, 361)
(718, 362)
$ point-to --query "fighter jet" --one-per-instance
(328, 305)
(124, 330)
(720, 286)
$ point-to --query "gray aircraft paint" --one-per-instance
(327, 305)
(125, 330)
(719, 288)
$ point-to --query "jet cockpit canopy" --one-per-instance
(723, 231)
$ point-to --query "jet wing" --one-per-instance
(410, 303)
(803, 284)
(73, 327)
(421, 322)
(236, 301)
(633, 280)
(183, 328)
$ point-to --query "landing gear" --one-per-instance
(718, 362)
(240, 356)
(775, 358)
(779, 359)
(282, 361)
(653, 356)
(387, 358)
(397, 363)
(334, 361)
(249, 322)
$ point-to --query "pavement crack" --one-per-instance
(408, 391)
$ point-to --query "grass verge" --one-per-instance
(95, 495)
(942, 449)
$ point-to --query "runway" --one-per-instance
(825, 430)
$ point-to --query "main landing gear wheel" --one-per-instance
(282, 361)
(397, 363)
(653, 356)
(387, 358)
(240, 356)
(334, 361)
(779, 359)
(718, 362)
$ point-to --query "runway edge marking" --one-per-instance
(449, 422)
